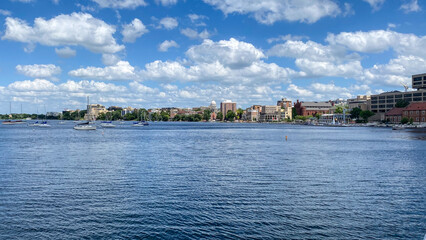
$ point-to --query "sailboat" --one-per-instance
(141, 123)
(10, 122)
(86, 125)
(44, 123)
(107, 124)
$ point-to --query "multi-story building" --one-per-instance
(394, 115)
(383, 102)
(93, 111)
(226, 106)
(312, 108)
(286, 108)
(361, 101)
(127, 110)
(251, 115)
(270, 114)
(415, 111)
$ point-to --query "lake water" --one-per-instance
(212, 180)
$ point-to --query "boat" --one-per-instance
(44, 124)
(85, 126)
(398, 127)
(10, 122)
(107, 124)
(35, 124)
(141, 123)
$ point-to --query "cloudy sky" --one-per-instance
(185, 53)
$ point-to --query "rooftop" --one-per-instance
(416, 106)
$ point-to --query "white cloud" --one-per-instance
(191, 33)
(133, 30)
(121, 4)
(232, 53)
(39, 70)
(168, 23)
(287, 37)
(110, 59)
(65, 52)
(197, 19)
(140, 88)
(65, 30)
(411, 6)
(166, 2)
(270, 11)
(23, 1)
(5, 12)
(164, 46)
(90, 86)
(224, 61)
(380, 40)
(169, 87)
(35, 85)
(121, 71)
(375, 4)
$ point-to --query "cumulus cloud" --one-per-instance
(121, 71)
(197, 19)
(164, 46)
(121, 4)
(110, 59)
(375, 4)
(270, 11)
(65, 52)
(166, 2)
(90, 86)
(168, 23)
(39, 70)
(193, 34)
(380, 40)
(140, 88)
(232, 53)
(223, 61)
(287, 37)
(35, 85)
(411, 6)
(5, 12)
(65, 30)
(133, 30)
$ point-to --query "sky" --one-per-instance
(186, 53)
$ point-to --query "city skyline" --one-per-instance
(178, 53)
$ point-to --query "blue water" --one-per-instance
(212, 180)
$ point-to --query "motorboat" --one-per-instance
(140, 124)
(44, 124)
(107, 124)
(10, 122)
(85, 126)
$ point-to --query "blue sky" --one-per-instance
(185, 53)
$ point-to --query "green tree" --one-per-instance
(101, 116)
(230, 116)
(356, 112)
(206, 114)
(293, 112)
(404, 120)
(339, 109)
(177, 117)
(219, 116)
(411, 120)
(239, 113)
(401, 103)
(366, 114)
(164, 116)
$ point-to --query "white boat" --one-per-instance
(107, 124)
(85, 126)
(398, 127)
(138, 124)
(10, 122)
(43, 124)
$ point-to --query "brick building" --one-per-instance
(312, 108)
(415, 111)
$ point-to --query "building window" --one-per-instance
(423, 119)
(417, 112)
(417, 119)
(423, 112)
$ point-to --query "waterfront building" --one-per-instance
(415, 111)
(270, 114)
(312, 108)
(361, 101)
(227, 105)
(251, 115)
(286, 111)
(339, 118)
(126, 110)
(381, 103)
(213, 106)
(394, 115)
(93, 111)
